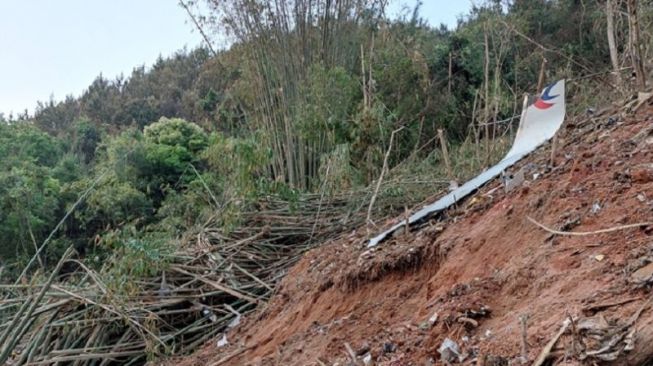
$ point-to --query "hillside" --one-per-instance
(482, 268)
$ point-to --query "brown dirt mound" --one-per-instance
(480, 269)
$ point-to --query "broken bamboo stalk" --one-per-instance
(445, 154)
(546, 351)
(585, 233)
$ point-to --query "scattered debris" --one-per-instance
(450, 351)
(605, 342)
(367, 360)
(222, 341)
(510, 182)
(236, 320)
(433, 319)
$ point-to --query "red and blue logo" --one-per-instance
(543, 101)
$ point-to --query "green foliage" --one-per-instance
(176, 132)
(23, 142)
(86, 140)
(239, 164)
(115, 203)
(31, 178)
(330, 97)
(132, 254)
(143, 169)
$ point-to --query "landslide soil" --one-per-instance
(482, 260)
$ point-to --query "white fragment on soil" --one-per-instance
(449, 351)
(223, 341)
(433, 319)
(235, 321)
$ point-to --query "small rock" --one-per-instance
(599, 257)
(491, 360)
(453, 185)
(643, 274)
(510, 182)
(363, 349)
(642, 173)
(641, 198)
(488, 334)
(367, 360)
(389, 347)
(424, 325)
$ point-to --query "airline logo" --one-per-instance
(545, 100)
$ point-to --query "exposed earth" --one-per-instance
(482, 271)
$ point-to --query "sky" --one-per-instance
(51, 49)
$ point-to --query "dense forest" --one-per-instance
(305, 100)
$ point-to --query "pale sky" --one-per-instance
(57, 47)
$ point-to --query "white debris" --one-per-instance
(433, 319)
(223, 341)
(450, 351)
(235, 321)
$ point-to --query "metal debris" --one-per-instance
(450, 351)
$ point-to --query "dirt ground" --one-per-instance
(472, 275)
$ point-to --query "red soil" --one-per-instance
(483, 254)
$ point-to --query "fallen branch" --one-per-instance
(598, 307)
(351, 353)
(585, 233)
(546, 351)
(380, 180)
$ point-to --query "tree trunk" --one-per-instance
(486, 97)
(450, 75)
(635, 45)
(609, 12)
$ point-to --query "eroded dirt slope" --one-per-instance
(480, 269)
